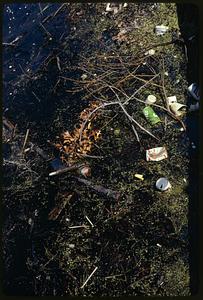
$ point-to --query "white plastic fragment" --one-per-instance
(150, 52)
(83, 76)
(139, 176)
(150, 99)
(156, 154)
(161, 29)
(171, 99)
(178, 109)
(163, 184)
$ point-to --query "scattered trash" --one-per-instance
(72, 246)
(172, 99)
(150, 99)
(193, 89)
(163, 184)
(166, 73)
(150, 115)
(156, 154)
(194, 107)
(115, 7)
(150, 52)
(158, 245)
(84, 76)
(139, 176)
(178, 109)
(161, 29)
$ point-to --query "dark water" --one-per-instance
(34, 40)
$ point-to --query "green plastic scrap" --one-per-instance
(150, 115)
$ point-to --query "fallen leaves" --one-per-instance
(69, 144)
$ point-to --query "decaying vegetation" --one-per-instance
(110, 234)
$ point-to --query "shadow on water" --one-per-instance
(31, 99)
(188, 17)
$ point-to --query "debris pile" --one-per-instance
(99, 186)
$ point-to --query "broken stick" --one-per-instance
(66, 169)
(86, 281)
(100, 189)
(54, 214)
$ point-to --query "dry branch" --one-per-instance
(99, 188)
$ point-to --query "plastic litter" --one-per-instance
(150, 115)
(115, 7)
(193, 89)
(84, 76)
(171, 99)
(163, 184)
(156, 154)
(161, 29)
(139, 176)
(178, 109)
(150, 52)
(150, 99)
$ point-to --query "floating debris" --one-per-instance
(150, 99)
(139, 176)
(178, 109)
(163, 184)
(171, 99)
(156, 154)
(84, 76)
(150, 52)
(161, 29)
(150, 115)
